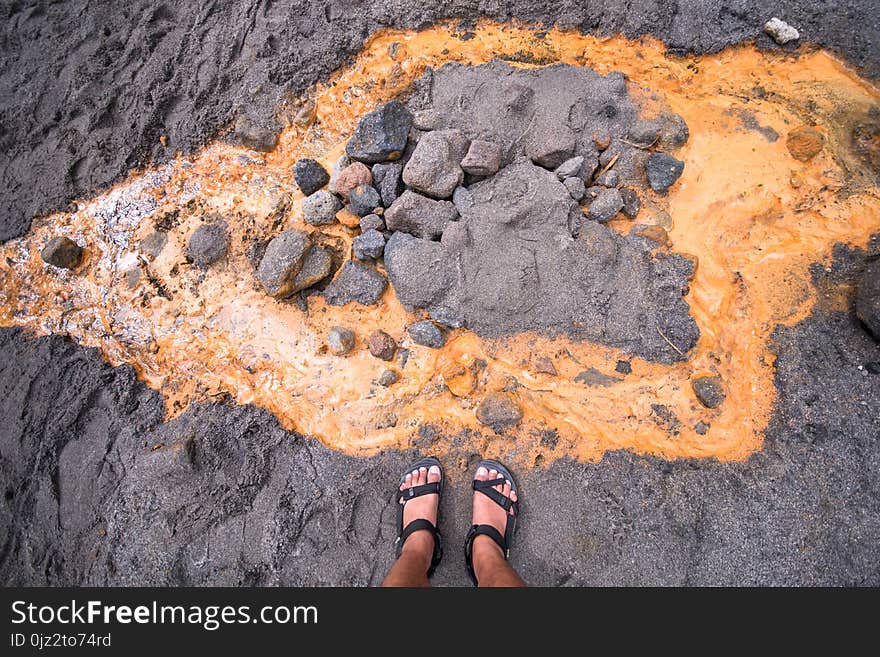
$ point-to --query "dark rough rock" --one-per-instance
(419, 215)
(320, 208)
(153, 244)
(674, 132)
(255, 134)
(340, 340)
(709, 390)
(511, 265)
(644, 133)
(701, 428)
(593, 377)
(427, 334)
(81, 107)
(388, 378)
(207, 244)
(381, 345)
(608, 202)
(631, 202)
(868, 298)
(483, 158)
(388, 179)
(576, 188)
(282, 261)
(570, 168)
(372, 222)
(316, 266)
(62, 252)
(610, 178)
(623, 367)
(663, 170)
(434, 167)
(381, 134)
(364, 199)
(309, 175)
(352, 176)
(500, 411)
(369, 245)
(356, 282)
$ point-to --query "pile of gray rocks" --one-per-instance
(486, 198)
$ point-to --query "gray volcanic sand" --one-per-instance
(86, 89)
(97, 490)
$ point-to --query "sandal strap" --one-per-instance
(418, 491)
(487, 489)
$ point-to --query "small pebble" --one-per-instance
(62, 252)
(364, 199)
(309, 175)
(576, 188)
(427, 334)
(388, 378)
(369, 245)
(340, 340)
(780, 31)
(320, 208)
(381, 345)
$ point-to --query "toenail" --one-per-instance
(434, 470)
(482, 471)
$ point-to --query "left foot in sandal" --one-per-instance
(487, 512)
(425, 506)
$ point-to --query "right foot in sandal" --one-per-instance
(487, 552)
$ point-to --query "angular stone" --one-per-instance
(282, 261)
(356, 282)
(354, 175)
(644, 133)
(663, 170)
(804, 143)
(369, 245)
(387, 178)
(419, 215)
(607, 203)
(550, 149)
(434, 167)
(427, 334)
(381, 134)
(631, 202)
(575, 187)
(364, 199)
(62, 252)
(500, 411)
(609, 179)
(373, 221)
(309, 175)
(462, 199)
(780, 31)
(483, 158)
(316, 266)
(320, 208)
(570, 168)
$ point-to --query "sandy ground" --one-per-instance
(98, 490)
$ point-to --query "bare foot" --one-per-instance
(421, 542)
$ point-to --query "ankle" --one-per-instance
(419, 545)
(486, 555)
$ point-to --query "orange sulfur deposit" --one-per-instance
(753, 216)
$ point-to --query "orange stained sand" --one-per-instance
(753, 217)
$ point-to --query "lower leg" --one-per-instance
(490, 566)
(411, 568)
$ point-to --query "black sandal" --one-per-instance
(487, 489)
(420, 524)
